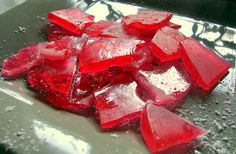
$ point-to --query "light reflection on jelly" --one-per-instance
(58, 139)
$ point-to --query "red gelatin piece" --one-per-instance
(21, 62)
(56, 50)
(73, 20)
(166, 44)
(101, 54)
(162, 129)
(56, 32)
(54, 76)
(146, 22)
(115, 30)
(204, 65)
(166, 84)
(96, 28)
(118, 104)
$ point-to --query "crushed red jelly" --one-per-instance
(146, 22)
(166, 44)
(166, 84)
(96, 28)
(74, 20)
(204, 65)
(102, 53)
(118, 103)
(162, 129)
(21, 62)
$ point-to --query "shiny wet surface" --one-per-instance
(28, 125)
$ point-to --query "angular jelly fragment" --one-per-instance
(101, 54)
(146, 22)
(96, 28)
(204, 65)
(56, 32)
(21, 62)
(54, 76)
(166, 84)
(117, 103)
(166, 44)
(73, 20)
(115, 30)
(162, 129)
(56, 50)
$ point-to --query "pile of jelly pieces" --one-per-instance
(134, 70)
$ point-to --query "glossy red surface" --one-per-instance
(162, 129)
(100, 54)
(204, 65)
(118, 103)
(73, 19)
(146, 22)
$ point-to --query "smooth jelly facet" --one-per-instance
(204, 65)
(74, 20)
(117, 103)
(101, 54)
(162, 129)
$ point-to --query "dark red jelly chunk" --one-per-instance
(73, 20)
(204, 65)
(115, 30)
(21, 62)
(166, 84)
(117, 103)
(96, 28)
(162, 129)
(146, 22)
(101, 54)
(166, 44)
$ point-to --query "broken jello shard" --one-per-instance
(72, 19)
(166, 44)
(116, 30)
(56, 32)
(146, 22)
(118, 103)
(166, 84)
(162, 129)
(204, 65)
(21, 62)
(100, 54)
(96, 28)
(54, 76)
(56, 50)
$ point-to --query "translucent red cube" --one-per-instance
(73, 19)
(146, 22)
(204, 65)
(166, 44)
(118, 103)
(162, 129)
(100, 54)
